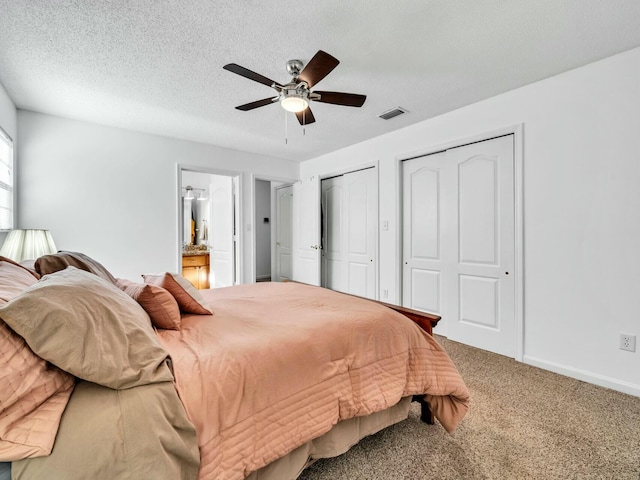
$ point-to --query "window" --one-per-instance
(6, 181)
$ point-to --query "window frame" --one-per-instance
(11, 188)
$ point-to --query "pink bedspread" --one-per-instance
(279, 364)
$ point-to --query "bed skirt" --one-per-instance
(335, 442)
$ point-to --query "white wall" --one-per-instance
(8, 116)
(8, 122)
(263, 230)
(581, 210)
(112, 193)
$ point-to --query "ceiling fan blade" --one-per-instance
(245, 72)
(257, 103)
(340, 98)
(318, 67)
(305, 117)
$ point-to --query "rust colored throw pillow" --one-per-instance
(156, 301)
(59, 261)
(33, 393)
(188, 298)
(90, 328)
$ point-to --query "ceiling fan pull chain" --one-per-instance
(286, 130)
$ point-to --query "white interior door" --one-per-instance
(361, 231)
(284, 214)
(221, 232)
(470, 191)
(350, 226)
(422, 240)
(306, 228)
(482, 279)
(237, 230)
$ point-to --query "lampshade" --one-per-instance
(27, 245)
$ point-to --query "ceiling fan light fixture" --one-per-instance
(294, 102)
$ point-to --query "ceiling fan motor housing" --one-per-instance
(294, 67)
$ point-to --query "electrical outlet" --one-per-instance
(385, 293)
(627, 342)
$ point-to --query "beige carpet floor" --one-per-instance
(524, 423)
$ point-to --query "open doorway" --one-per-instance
(208, 228)
(273, 210)
(263, 230)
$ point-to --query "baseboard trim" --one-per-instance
(585, 376)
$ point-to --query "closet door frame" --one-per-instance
(518, 137)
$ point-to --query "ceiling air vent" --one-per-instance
(394, 112)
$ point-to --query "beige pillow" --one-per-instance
(89, 328)
(187, 296)
(61, 260)
(33, 393)
(156, 301)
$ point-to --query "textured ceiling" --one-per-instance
(156, 65)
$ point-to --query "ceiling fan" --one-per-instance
(296, 95)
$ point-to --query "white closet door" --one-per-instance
(422, 277)
(361, 231)
(482, 283)
(334, 274)
(284, 216)
(459, 242)
(350, 233)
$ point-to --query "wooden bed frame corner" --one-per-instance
(425, 321)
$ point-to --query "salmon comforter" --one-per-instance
(278, 364)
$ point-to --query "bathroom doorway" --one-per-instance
(208, 226)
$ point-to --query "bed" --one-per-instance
(275, 376)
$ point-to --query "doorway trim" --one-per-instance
(517, 131)
(209, 171)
